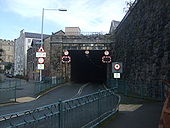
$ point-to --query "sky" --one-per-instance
(89, 15)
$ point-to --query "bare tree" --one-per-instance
(128, 6)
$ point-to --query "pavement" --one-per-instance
(135, 113)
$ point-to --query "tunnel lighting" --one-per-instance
(87, 52)
(106, 53)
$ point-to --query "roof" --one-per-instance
(60, 32)
(35, 35)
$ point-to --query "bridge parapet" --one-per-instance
(83, 41)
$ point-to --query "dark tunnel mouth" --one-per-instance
(88, 68)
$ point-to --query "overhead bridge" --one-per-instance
(85, 53)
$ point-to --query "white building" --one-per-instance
(22, 44)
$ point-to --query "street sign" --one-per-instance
(117, 75)
(40, 66)
(117, 67)
(106, 59)
(40, 54)
(66, 59)
(41, 49)
(40, 60)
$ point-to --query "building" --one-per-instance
(7, 54)
(61, 41)
(32, 72)
(8, 50)
(113, 26)
(72, 31)
(22, 44)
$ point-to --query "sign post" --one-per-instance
(40, 54)
(116, 70)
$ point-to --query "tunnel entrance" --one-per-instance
(88, 68)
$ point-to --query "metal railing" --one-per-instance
(8, 94)
(8, 90)
(139, 90)
(86, 111)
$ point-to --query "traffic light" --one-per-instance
(66, 59)
(106, 59)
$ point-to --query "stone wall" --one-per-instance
(143, 42)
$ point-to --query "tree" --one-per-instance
(128, 6)
(8, 66)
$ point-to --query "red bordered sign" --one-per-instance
(66, 59)
(106, 59)
(117, 66)
(40, 60)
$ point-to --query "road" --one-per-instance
(67, 91)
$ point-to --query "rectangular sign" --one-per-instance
(116, 75)
(40, 66)
(40, 54)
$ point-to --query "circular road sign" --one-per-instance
(117, 66)
(66, 53)
(106, 52)
(40, 60)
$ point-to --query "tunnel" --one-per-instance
(88, 67)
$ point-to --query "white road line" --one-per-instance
(105, 86)
(80, 90)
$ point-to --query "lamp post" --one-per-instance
(42, 27)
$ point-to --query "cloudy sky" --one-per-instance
(89, 15)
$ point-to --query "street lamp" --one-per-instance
(42, 26)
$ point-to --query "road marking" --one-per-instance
(105, 87)
(80, 90)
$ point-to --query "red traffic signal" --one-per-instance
(106, 59)
(66, 59)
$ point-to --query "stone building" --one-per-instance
(8, 50)
(58, 42)
(22, 43)
(7, 53)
